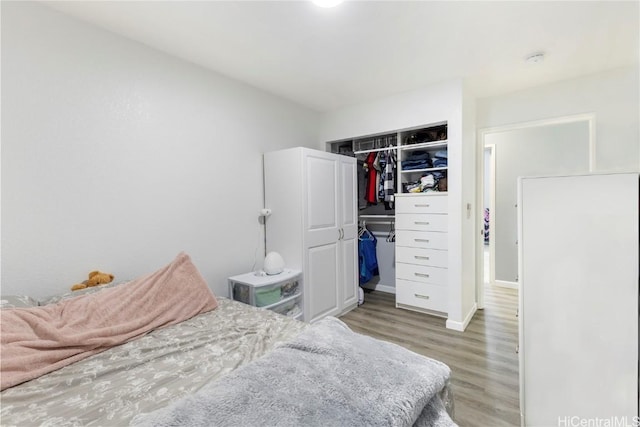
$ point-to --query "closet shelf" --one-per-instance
(435, 144)
(376, 216)
(424, 170)
(426, 193)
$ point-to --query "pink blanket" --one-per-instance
(38, 340)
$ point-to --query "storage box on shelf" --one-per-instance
(281, 293)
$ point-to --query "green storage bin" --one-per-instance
(267, 295)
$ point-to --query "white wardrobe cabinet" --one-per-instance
(578, 314)
(314, 224)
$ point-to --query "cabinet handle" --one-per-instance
(421, 257)
(422, 240)
(341, 234)
(421, 206)
(420, 222)
(421, 296)
(517, 348)
(421, 274)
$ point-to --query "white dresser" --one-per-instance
(422, 275)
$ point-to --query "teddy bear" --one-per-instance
(95, 278)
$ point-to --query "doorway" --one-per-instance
(559, 146)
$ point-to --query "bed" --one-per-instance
(231, 365)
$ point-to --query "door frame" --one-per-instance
(492, 209)
(481, 135)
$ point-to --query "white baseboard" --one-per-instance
(505, 284)
(461, 326)
(381, 288)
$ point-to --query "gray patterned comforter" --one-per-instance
(110, 388)
(141, 376)
(326, 376)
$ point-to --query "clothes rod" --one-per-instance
(365, 222)
(375, 150)
(376, 216)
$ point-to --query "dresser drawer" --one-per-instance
(422, 204)
(422, 239)
(429, 297)
(422, 273)
(422, 222)
(432, 257)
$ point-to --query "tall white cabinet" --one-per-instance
(578, 315)
(422, 239)
(314, 224)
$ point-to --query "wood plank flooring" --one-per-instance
(482, 359)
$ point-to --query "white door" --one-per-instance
(349, 222)
(321, 234)
(578, 298)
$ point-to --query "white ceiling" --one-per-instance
(362, 50)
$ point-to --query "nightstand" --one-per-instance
(281, 293)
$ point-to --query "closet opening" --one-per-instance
(409, 162)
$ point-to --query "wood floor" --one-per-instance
(482, 359)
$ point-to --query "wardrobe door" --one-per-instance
(349, 236)
(322, 277)
(322, 234)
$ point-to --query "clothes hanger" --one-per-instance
(391, 237)
(362, 228)
(363, 231)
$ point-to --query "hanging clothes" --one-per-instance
(362, 185)
(389, 181)
(368, 261)
(371, 195)
(376, 165)
(382, 162)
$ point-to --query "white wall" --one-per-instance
(613, 96)
(405, 110)
(470, 206)
(116, 157)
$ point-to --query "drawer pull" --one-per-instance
(420, 222)
(421, 206)
(421, 257)
(421, 274)
(421, 296)
(422, 240)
